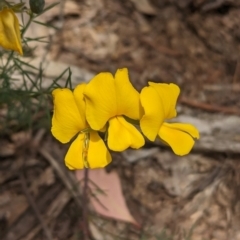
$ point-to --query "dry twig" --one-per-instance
(73, 189)
(209, 107)
(53, 212)
(85, 205)
(34, 207)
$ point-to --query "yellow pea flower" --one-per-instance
(108, 100)
(69, 120)
(10, 37)
(159, 104)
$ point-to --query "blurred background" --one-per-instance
(193, 43)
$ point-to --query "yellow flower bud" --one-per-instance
(9, 31)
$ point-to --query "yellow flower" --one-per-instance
(159, 102)
(9, 31)
(68, 121)
(108, 100)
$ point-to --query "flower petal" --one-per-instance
(122, 135)
(128, 102)
(79, 99)
(66, 120)
(185, 127)
(73, 158)
(101, 102)
(178, 137)
(168, 94)
(98, 154)
(153, 112)
(10, 37)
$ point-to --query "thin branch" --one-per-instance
(34, 207)
(65, 179)
(209, 107)
(85, 205)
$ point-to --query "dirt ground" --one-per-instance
(193, 43)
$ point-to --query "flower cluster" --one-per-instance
(10, 37)
(110, 104)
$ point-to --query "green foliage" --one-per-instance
(24, 102)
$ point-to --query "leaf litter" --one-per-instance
(195, 196)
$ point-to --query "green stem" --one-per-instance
(8, 61)
(31, 17)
